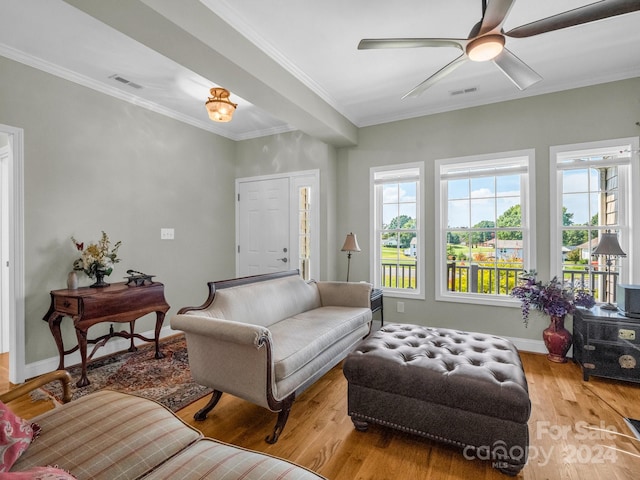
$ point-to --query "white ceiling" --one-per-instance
(297, 59)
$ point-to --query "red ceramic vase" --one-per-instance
(557, 340)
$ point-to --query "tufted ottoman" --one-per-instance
(463, 388)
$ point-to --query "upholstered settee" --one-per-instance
(110, 435)
(267, 337)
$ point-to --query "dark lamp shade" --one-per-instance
(609, 246)
(351, 244)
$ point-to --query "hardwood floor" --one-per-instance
(320, 435)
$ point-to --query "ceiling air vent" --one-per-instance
(464, 91)
(123, 80)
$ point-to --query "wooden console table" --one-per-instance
(116, 303)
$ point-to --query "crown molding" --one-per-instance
(83, 80)
(230, 16)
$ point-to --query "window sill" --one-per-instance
(391, 293)
(479, 299)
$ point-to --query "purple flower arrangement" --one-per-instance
(553, 298)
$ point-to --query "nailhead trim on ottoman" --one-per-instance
(463, 388)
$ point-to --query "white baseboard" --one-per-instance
(528, 345)
(116, 344)
(535, 346)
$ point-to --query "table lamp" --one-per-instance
(609, 247)
(350, 245)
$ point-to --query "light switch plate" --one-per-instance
(166, 234)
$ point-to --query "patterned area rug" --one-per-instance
(166, 380)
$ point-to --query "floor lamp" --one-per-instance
(350, 245)
(609, 247)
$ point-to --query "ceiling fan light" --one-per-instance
(485, 48)
(219, 107)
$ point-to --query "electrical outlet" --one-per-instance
(166, 234)
(400, 307)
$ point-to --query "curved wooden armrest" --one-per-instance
(61, 375)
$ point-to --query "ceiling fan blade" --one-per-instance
(494, 15)
(369, 43)
(516, 70)
(578, 16)
(443, 72)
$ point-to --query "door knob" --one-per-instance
(285, 259)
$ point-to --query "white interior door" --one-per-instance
(263, 226)
(13, 244)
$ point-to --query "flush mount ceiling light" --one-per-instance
(485, 48)
(219, 106)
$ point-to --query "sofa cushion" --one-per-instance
(209, 459)
(299, 339)
(263, 303)
(107, 435)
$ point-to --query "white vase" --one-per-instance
(72, 280)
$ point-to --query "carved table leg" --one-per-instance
(159, 320)
(54, 325)
(132, 326)
(82, 344)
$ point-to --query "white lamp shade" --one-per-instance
(351, 244)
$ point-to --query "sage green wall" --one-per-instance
(94, 163)
(294, 152)
(582, 115)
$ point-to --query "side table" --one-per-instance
(118, 303)
(606, 344)
(377, 304)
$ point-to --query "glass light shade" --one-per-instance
(485, 48)
(609, 246)
(219, 107)
(351, 244)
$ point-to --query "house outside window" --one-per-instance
(484, 236)
(397, 235)
(592, 194)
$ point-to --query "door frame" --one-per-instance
(296, 179)
(15, 238)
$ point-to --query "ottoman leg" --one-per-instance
(510, 469)
(360, 425)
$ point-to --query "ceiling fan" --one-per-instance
(487, 40)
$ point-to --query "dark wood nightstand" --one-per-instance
(376, 303)
(606, 344)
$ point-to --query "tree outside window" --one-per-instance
(485, 238)
(396, 197)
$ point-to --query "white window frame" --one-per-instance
(376, 222)
(628, 216)
(527, 206)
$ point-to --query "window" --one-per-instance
(484, 238)
(304, 231)
(398, 267)
(591, 194)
